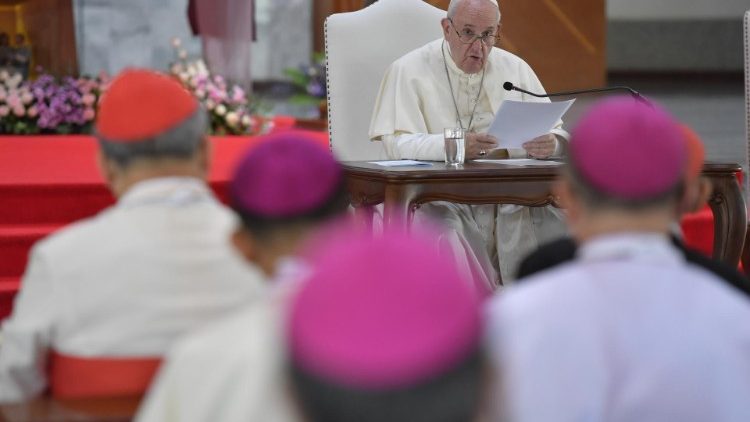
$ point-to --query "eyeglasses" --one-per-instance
(467, 36)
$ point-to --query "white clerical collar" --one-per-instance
(640, 246)
(175, 191)
(452, 64)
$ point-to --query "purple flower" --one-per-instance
(316, 89)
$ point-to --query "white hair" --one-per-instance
(453, 5)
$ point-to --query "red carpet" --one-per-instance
(47, 182)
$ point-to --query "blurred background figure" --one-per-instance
(385, 329)
(6, 51)
(285, 191)
(629, 330)
(21, 57)
(227, 30)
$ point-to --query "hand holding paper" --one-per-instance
(517, 122)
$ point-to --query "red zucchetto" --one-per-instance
(141, 104)
(696, 153)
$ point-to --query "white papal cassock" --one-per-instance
(628, 332)
(125, 283)
(233, 370)
(415, 105)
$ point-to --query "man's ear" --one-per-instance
(244, 244)
(108, 170)
(204, 156)
(445, 23)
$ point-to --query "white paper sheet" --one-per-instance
(519, 121)
(521, 162)
(401, 163)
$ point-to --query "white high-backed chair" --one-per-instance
(747, 96)
(746, 247)
(359, 48)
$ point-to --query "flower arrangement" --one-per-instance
(68, 105)
(310, 79)
(229, 108)
(47, 105)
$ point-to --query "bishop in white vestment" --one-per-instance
(449, 83)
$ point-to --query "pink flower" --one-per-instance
(19, 110)
(216, 94)
(88, 99)
(14, 81)
(32, 112)
(238, 95)
(89, 113)
(247, 121)
(13, 99)
(27, 98)
(4, 110)
(232, 119)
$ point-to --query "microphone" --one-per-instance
(510, 87)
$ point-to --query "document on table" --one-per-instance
(519, 121)
(401, 163)
(522, 162)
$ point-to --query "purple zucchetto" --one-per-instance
(629, 149)
(382, 313)
(287, 175)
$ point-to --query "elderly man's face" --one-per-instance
(472, 17)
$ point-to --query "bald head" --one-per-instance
(456, 5)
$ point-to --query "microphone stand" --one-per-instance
(510, 87)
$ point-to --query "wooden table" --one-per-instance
(47, 409)
(403, 189)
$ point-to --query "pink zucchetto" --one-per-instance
(629, 149)
(382, 313)
(287, 175)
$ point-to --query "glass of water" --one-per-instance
(455, 147)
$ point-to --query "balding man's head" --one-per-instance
(454, 5)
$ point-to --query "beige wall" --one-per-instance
(676, 9)
(50, 28)
(563, 40)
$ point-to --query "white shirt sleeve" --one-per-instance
(27, 334)
(430, 147)
(414, 146)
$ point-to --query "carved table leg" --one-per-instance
(730, 219)
(364, 215)
(397, 205)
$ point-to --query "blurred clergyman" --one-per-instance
(284, 190)
(385, 329)
(118, 288)
(695, 192)
(629, 330)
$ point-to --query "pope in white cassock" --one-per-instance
(456, 81)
